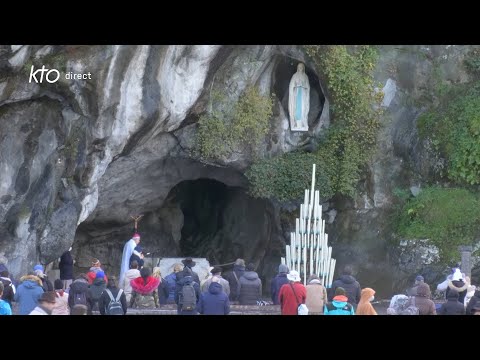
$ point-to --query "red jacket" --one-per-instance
(92, 275)
(288, 302)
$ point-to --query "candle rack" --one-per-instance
(308, 252)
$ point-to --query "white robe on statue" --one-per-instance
(127, 252)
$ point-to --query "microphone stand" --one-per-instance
(150, 254)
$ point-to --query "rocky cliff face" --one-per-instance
(78, 157)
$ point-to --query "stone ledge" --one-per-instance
(234, 310)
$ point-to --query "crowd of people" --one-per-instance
(139, 287)
(462, 298)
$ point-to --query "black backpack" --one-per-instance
(80, 298)
(114, 307)
(188, 298)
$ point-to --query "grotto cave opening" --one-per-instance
(198, 218)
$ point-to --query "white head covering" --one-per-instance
(293, 276)
(457, 275)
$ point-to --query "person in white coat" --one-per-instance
(130, 275)
(127, 252)
(442, 287)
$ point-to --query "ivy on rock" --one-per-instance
(347, 145)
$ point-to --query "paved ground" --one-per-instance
(380, 307)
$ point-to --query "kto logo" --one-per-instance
(51, 78)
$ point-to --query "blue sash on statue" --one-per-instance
(298, 104)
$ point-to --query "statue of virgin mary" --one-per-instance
(299, 100)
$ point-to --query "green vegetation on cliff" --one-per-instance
(448, 217)
(349, 142)
(224, 129)
(454, 131)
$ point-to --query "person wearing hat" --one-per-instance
(186, 277)
(187, 287)
(127, 253)
(250, 287)
(233, 277)
(339, 304)
(277, 282)
(216, 272)
(96, 289)
(413, 290)
(46, 304)
(292, 294)
(138, 256)
(457, 284)
(28, 293)
(189, 264)
(443, 286)
(46, 284)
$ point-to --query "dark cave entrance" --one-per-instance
(220, 222)
(202, 203)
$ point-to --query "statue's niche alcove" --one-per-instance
(284, 69)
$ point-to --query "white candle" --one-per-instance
(322, 254)
(305, 200)
(332, 270)
(309, 223)
(327, 263)
(299, 259)
(305, 266)
(287, 256)
(313, 185)
(319, 207)
(330, 273)
(311, 260)
(292, 252)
